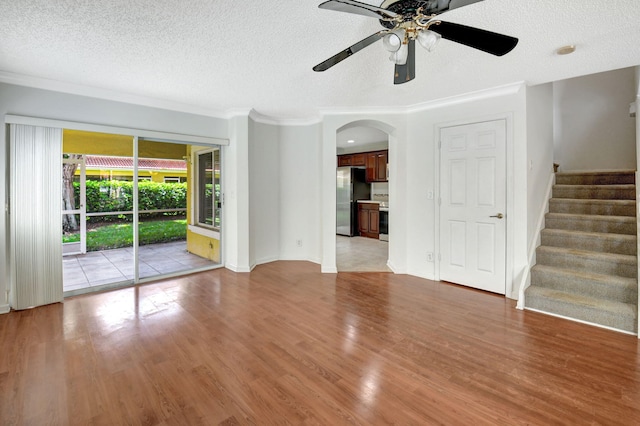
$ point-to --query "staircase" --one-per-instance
(586, 266)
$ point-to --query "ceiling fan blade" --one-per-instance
(351, 6)
(487, 41)
(406, 72)
(339, 57)
(454, 4)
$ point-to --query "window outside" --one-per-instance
(209, 202)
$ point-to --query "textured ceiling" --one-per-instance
(222, 55)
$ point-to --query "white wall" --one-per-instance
(18, 100)
(235, 236)
(300, 192)
(264, 192)
(592, 127)
(539, 154)
(284, 178)
(423, 167)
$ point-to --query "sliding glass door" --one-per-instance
(169, 241)
(146, 209)
(98, 171)
(91, 208)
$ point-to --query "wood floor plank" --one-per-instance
(286, 344)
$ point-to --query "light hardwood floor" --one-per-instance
(286, 344)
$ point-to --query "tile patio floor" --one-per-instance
(98, 268)
(111, 266)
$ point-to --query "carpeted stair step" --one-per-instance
(591, 241)
(618, 315)
(592, 223)
(589, 284)
(597, 207)
(598, 192)
(588, 261)
(604, 177)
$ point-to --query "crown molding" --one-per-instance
(507, 89)
(265, 119)
(106, 94)
(492, 92)
(81, 90)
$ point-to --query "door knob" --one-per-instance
(499, 215)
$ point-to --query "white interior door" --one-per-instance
(472, 205)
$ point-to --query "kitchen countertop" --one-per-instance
(384, 205)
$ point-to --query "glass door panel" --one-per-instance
(166, 179)
(105, 187)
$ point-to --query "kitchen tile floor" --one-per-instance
(359, 254)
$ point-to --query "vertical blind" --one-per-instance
(35, 215)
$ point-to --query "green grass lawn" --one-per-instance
(121, 234)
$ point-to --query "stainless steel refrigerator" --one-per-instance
(351, 187)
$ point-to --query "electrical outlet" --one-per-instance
(299, 243)
(429, 195)
(429, 257)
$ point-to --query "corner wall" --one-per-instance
(300, 171)
(264, 192)
(592, 127)
(284, 188)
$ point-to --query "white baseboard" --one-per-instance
(581, 321)
(236, 268)
(394, 268)
(266, 260)
(5, 309)
(328, 269)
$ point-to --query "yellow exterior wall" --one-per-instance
(171, 151)
(93, 143)
(81, 142)
(203, 246)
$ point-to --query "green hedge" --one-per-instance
(117, 195)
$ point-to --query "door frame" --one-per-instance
(509, 155)
(81, 210)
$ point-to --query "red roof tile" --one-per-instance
(99, 161)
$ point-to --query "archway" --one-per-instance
(362, 196)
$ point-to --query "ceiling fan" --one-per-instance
(406, 21)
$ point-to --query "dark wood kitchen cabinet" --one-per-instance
(352, 160)
(369, 220)
(359, 159)
(377, 166)
(344, 160)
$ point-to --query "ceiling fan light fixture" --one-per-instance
(393, 41)
(428, 39)
(400, 57)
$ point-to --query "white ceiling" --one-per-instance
(362, 136)
(223, 55)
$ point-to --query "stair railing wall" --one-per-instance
(638, 232)
(637, 104)
(525, 279)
